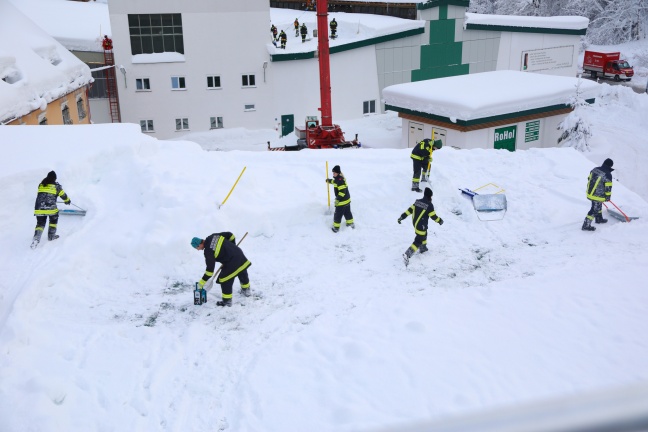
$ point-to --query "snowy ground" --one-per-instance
(99, 332)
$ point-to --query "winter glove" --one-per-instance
(400, 220)
(440, 221)
(68, 202)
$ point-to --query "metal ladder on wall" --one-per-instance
(111, 87)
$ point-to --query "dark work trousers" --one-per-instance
(41, 221)
(342, 211)
(596, 212)
(418, 241)
(418, 166)
(226, 287)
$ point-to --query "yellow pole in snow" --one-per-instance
(328, 189)
(231, 190)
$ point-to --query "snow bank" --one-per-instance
(99, 331)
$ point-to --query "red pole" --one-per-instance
(324, 62)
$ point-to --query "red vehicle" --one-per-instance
(607, 65)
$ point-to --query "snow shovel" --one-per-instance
(489, 207)
(72, 212)
(619, 214)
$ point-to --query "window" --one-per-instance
(98, 89)
(369, 107)
(249, 107)
(182, 124)
(42, 120)
(216, 122)
(147, 125)
(142, 84)
(249, 81)
(178, 83)
(65, 111)
(81, 111)
(155, 33)
(213, 82)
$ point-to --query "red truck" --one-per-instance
(607, 65)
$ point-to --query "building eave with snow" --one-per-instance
(41, 82)
(500, 109)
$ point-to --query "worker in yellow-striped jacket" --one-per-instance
(48, 192)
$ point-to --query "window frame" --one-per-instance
(42, 119)
(155, 33)
(65, 112)
(369, 108)
(144, 88)
(214, 77)
(246, 77)
(181, 80)
(219, 124)
(183, 120)
(79, 98)
(146, 129)
(247, 109)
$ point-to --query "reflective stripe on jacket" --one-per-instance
(599, 184)
(422, 151)
(420, 211)
(221, 247)
(46, 199)
(342, 194)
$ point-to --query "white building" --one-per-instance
(493, 110)
(199, 64)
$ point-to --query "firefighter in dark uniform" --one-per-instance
(304, 32)
(421, 210)
(273, 29)
(48, 191)
(222, 247)
(284, 38)
(333, 25)
(599, 190)
(421, 154)
(296, 27)
(342, 200)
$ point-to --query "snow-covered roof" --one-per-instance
(35, 69)
(352, 28)
(487, 94)
(557, 22)
(79, 26)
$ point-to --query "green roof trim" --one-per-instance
(349, 46)
(292, 56)
(435, 3)
(467, 123)
(515, 29)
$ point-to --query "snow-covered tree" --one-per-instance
(482, 6)
(576, 129)
(619, 21)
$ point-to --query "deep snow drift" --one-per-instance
(99, 332)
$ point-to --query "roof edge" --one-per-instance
(516, 29)
(436, 3)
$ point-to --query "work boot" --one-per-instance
(245, 292)
(52, 237)
(587, 225)
(415, 187)
(423, 249)
(407, 255)
(224, 302)
(34, 243)
(599, 220)
(351, 225)
(335, 229)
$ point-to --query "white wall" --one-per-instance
(513, 44)
(296, 88)
(485, 138)
(100, 111)
(222, 38)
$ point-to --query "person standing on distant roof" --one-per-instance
(342, 200)
(421, 210)
(296, 27)
(304, 32)
(599, 190)
(222, 248)
(48, 191)
(333, 25)
(284, 38)
(273, 30)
